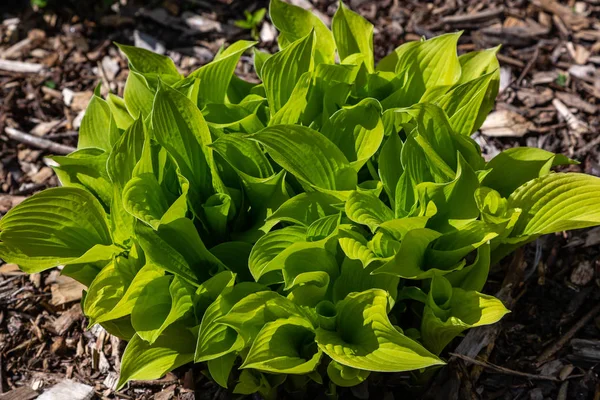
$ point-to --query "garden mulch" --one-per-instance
(547, 348)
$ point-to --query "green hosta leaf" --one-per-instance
(151, 308)
(434, 61)
(364, 338)
(454, 200)
(474, 276)
(523, 164)
(220, 368)
(452, 247)
(260, 57)
(125, 154)
(105, 291)
(556, 202)
(142, 278)
(179, 127)
(408, 261)
(450, 311)
(141, 360)
(138, 95)
(366, 209)
(284, 346)
(399, 227)
(358, 278)
(147, 62)
(270, 246)
(216, 75)
(309, 288)
(355, 245)
(345, 376)
(293, 109)
(294, 23)
(478, 63)
(306, 208)
(353, 35)
(119, 111)
(54, 227)
(282, 70)
(98, 128)
(250, 314)
(86, 168)
(210, 290)
(216, 340)
(357, 131)
(308, 155)
(176, 247)
(217, 210)
(244, 155)
(143, 198)
(234, 117)
(323, 227)
(390, 165)
(466, 102)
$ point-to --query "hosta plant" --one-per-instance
(333, 221)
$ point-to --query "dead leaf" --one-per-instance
(505, 123)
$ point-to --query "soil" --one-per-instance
(547, 348)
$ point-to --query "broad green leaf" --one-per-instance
(250, 314)
(119, 111)
(514, 167)
(148, 62)
(210, 290)
(293, 109)
(152, 308)
(306, 208)
(216, 75)
(105, 292)
(353, 34)
(345, 376)
(454, 201)
(390, 165)
(125, 154)
(357, 131)
(308, 155)
(355, 245)
(464, 103)
(399, 227)
(474, 276)
(556, 202)
(294, 23)
(270, 246)
(143, 198)
(53, 227)
(358, 278)
(477, 63)
(217, 211)
(323, 227)
(177, 248)
(138, 95)
(214, 339)
(142, 278)
(364, 338)
(243, 155)
(144, 361)
(408, 261)
(260, 57)
(181, 129)
(220, 368)
(283, 69)
(284, 346)
(86, 168)
(98, 128)
(450, 311)
(366, 209)
(434, 61)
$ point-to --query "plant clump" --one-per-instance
(333, 221)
